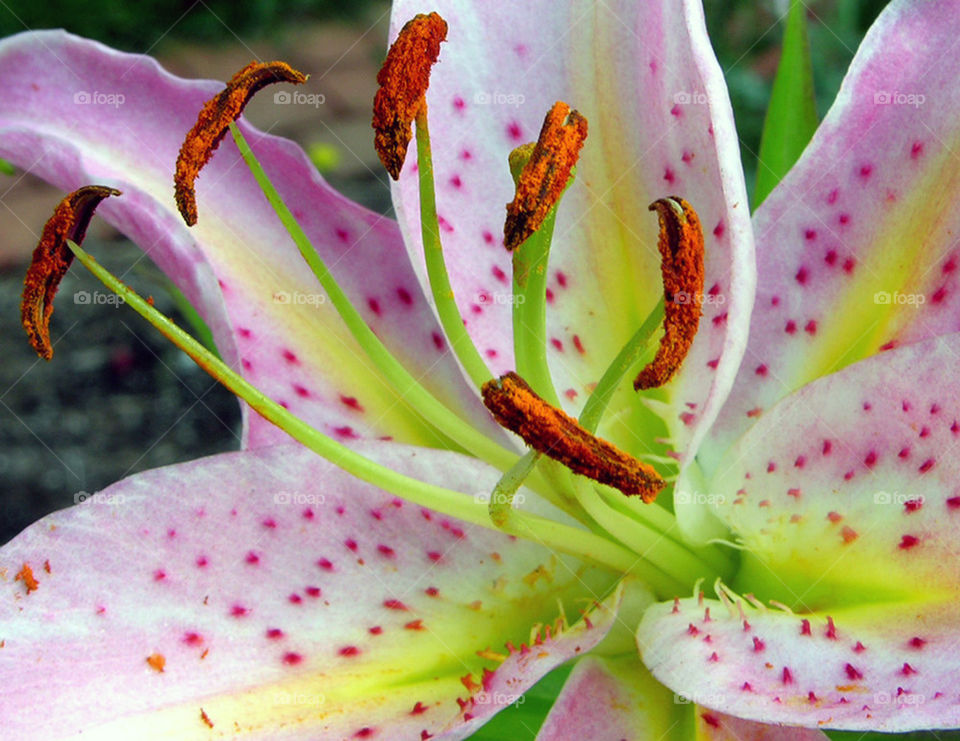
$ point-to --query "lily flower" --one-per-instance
(270, 593)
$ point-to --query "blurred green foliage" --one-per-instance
(139, 25)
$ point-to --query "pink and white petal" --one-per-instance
(607, 698)
(75, 112)
(882, 667)
(846, 491)
(660, 123)
(714, 726)
(857, 245)
(548, 649)
(287, 599)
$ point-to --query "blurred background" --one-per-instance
(117, 399)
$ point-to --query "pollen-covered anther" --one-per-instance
(403, 81)
(546, 174)
(557, 435)
(681, 264)
(51, 260)
(215, 118)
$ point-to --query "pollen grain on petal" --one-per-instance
(51, 260)
(681, 253)
(215, 117)
(403, 81)
(546, 173)
(26, 576)
(157, 662)
(555, 434)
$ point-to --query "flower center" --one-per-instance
(568, 465)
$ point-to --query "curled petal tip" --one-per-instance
(546, 173)
(51, 260)
(403, 81)
(212, 123)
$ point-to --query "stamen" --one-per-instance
(212, 123)
(681, 252)
(555, 535)
(52, 259)
(403, 80)
(555, 434)
(545, 175)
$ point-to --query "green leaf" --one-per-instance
(522, 720)
(792, 114)
(6, 168)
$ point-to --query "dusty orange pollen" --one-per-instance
(681, 253)
(51, 260)
(546, 173)
(205, 718)
(215, 118)
(403, 81)
(557, 435)
(26, 576)
(157, 662)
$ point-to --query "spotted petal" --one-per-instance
(845, 499)
(267, 594)
(608, 698)
(881, 668)
(660, 123)
(856, 247)
(75, 112)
